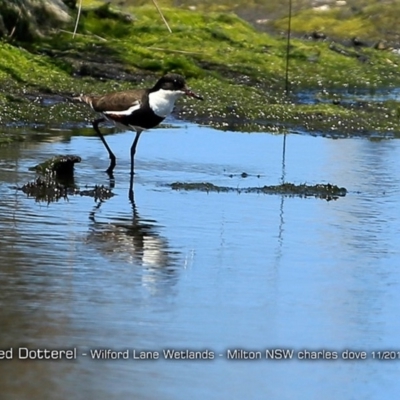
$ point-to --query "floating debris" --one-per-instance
(243, 175)
(322, 191)
(99, 192)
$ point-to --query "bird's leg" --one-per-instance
(131, 195)
(133, 148)
(110, 153)
(133, 151)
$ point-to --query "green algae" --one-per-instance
(238, 69)
(322, 191)
(369, 20)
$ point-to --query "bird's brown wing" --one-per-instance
(118, 102)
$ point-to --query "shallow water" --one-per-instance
(349, 95)
(196, 271)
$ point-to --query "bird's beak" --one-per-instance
(189, 93)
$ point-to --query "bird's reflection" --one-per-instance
(134, 240)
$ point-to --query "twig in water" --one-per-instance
(174, 51)
(82, 34)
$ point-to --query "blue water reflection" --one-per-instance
(198, 271)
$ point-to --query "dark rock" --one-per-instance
(357, 42)
(62, 165)
(70, 3)
(316, 35)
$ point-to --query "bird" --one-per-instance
(137, 109)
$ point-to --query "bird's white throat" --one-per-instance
(162, 101)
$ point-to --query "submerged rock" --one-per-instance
(57, 181)
(58, 165)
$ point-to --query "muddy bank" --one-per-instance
(239, 70)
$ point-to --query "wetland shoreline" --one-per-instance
(237, 68)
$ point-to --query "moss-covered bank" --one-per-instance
(240, 70)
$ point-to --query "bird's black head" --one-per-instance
(174, 82)
(171, 82)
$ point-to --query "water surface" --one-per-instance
(197, 271)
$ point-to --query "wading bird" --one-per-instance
(138, 109)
